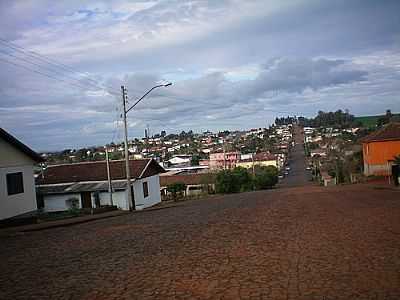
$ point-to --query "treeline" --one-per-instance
(330, 119)
(285, 120)
(387, 118)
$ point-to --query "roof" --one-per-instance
(97, 171)
(262, 156)
(188, 179)
(20, 146)
(389, 132)
(79, 187)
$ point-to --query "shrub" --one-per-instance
(233, 181)
(176, 188)
(265, 177)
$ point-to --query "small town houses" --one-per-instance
(17, 186)
(85, 185)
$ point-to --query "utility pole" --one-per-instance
(110, 191)
(223, 147)
(130, 200)
(254, 173)
(127, 169)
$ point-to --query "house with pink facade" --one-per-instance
(217, 160)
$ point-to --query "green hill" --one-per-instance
(369, 121)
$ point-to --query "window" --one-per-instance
(145, 189)
(15, 183)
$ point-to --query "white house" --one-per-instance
(17, 184)
(85, 185)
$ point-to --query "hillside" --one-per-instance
(368, 121)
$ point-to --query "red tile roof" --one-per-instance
(389, 132)
(188, 179)
(97, 171)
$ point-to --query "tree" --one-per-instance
(243, 178)
(233, 181)
(195, 160)
(176, 189)
(226, 182)
(265, 177)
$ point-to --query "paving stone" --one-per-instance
(294, 243)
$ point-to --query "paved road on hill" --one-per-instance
(298, 175)
(298, 243)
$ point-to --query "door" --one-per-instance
(86, 199)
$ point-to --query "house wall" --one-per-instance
(14, 205)
(154, 197)
(119, 199)
(58, 202)
(377, 155)
(264, 163)
(11, 157)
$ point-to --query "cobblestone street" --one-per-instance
(297, 243)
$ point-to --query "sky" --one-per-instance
(234, 64)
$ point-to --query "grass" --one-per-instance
(371, 121)
(368, 121)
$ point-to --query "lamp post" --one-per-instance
(125, 111)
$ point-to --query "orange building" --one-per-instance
(380, 148)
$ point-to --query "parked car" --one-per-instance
(308, 168)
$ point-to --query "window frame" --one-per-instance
(15, 183)
(145, 187)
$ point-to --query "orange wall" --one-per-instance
(378, 153)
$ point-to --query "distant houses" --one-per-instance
(258, 159)
(85, 185)
(221, 160)
(379, 150)
(17, 186)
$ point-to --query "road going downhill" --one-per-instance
(298, 175)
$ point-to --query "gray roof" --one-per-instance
(79, 187)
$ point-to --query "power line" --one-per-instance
(43, 58)
(76, 84)
(53, 63)
(38, 72)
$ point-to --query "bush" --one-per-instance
(176, 188)
(265, 177)
(233, 181)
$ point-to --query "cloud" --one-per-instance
(234, 64)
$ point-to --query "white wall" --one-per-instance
(17, 204)
(58, 202)
(154, 197)
(12, 157)
(119, 199)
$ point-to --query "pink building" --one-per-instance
(217, 160)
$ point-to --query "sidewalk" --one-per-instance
(60, 223)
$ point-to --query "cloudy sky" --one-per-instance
(234, 64)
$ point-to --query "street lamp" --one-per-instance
(128, 173)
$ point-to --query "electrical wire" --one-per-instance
(53, 65)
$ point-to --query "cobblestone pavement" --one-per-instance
(297, 243)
